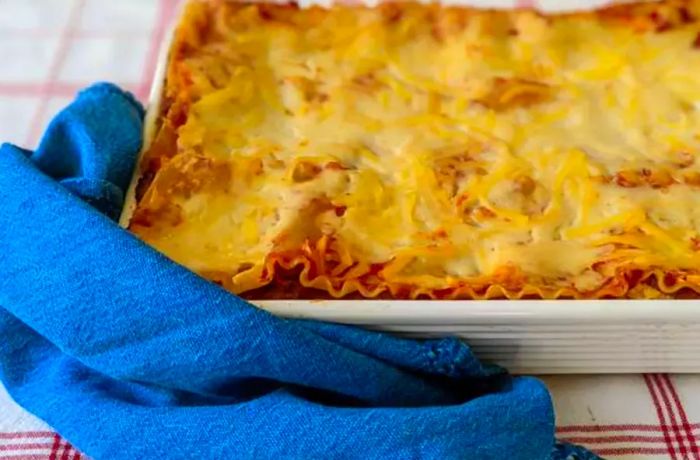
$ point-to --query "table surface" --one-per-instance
(52, 48)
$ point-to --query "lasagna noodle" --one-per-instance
(420, 151)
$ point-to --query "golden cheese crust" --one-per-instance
(419, 151)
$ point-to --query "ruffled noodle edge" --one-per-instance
(301, 274)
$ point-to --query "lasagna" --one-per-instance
(417, 151)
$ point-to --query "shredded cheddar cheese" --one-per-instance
(420, 151)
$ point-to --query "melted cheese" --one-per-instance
(416, 150)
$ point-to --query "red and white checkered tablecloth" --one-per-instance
(52, 48)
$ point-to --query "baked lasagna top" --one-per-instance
(420, 151)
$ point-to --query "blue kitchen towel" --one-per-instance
(129, 355)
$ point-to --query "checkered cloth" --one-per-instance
(51, 48)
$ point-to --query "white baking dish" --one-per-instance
(526, 336)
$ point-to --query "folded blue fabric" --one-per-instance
(130, 355)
